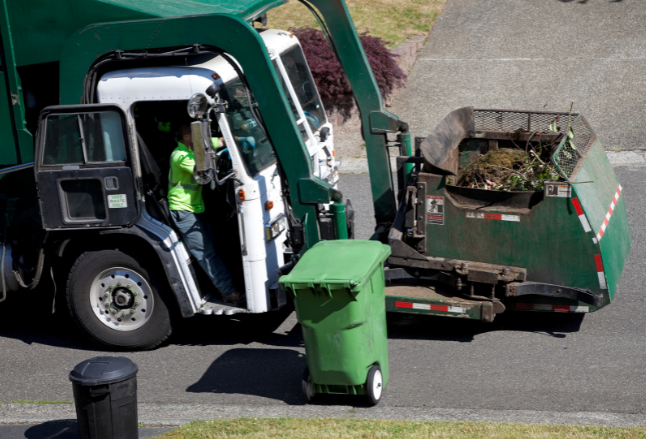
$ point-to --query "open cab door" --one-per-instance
(84, 168)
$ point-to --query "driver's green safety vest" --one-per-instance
(184, 193)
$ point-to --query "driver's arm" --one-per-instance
(218, 143)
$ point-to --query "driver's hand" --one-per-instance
(251, 141)
(221, 144)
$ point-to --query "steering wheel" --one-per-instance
(223, 166)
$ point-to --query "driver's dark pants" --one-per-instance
(200, 243)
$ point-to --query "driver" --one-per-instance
(187, 211)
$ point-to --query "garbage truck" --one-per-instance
(95, 92)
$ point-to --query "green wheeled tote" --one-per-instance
(338, 289)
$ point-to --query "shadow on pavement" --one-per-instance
(269, 373)
(272, 329)
(27, 316)
(53, 429)
(410, 326)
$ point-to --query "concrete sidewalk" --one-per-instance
(169, 415)
(535, 55)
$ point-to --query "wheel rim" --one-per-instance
(377, 385)
(308, 388)
(121, 299)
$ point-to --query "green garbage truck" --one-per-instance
(95, 92)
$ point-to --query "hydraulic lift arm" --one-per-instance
(375, 121)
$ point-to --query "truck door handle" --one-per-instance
(111, 183)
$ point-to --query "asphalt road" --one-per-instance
(541, 362)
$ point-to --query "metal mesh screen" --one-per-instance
(565, 158)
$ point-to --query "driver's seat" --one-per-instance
(155, 185)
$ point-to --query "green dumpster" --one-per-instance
(338, 289)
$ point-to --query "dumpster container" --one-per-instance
(556, 241)
(105, 395)
(338, 289)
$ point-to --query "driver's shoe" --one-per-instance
(235, 298)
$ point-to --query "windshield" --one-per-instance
(256, 151)
(301, 79)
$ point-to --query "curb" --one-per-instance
(172, 415)
(632, 159)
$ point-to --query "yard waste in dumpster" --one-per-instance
(338, 290)
(550, 234)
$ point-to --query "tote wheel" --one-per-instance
(374, 385)
(117, 300)
(307, 385)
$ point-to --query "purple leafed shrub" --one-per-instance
(329, 76)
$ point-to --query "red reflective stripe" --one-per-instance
(439, 308)
(524, 306)
(403, 305)
(577, 206)
(493, 216)
(613, 204)
(560, 307)
(597, 260)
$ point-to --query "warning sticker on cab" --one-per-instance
(558, 190)
(117, 201)
(435, 210)
(493, 216)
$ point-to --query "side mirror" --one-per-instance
(197, 106)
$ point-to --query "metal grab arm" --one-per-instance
(369, 100)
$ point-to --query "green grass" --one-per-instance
(38, 401)
(369, 429)
(392, 20)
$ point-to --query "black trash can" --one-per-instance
(105, 395)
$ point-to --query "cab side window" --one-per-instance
(84, 138)
(63, 140)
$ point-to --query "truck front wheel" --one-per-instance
(116, 299)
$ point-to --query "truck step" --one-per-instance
(215, 306)
(435, 300)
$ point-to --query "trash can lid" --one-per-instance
(103, 370)
(347, 263)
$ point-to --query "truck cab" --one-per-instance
(105, 165)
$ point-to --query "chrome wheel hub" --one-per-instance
(121, 299)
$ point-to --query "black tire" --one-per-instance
(307, 385)
(156, 321)
(374, 385)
